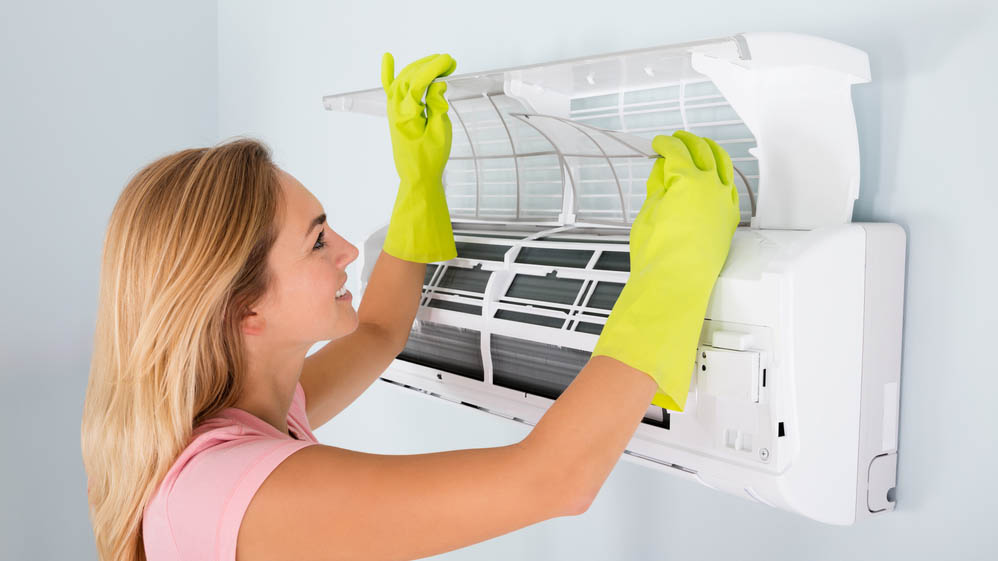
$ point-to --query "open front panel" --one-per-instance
(508, 164)
(695, 105)
(569, 142)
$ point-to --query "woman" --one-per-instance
(219, 273)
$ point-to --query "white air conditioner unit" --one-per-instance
(794, 400)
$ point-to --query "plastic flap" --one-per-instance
(569, 142)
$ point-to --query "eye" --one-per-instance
(320, 242)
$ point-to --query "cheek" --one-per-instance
(308, 299)
(301, 293)
(318, 285)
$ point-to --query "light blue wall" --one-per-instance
(88, 95)
(91, 94)
(926, 126)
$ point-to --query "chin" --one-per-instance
(346, 326)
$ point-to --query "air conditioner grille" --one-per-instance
(556, 257)
(455, 306)
(469, 280)
(547, 289)
(481, 251)
(444, 347)
(591, 328)
(605, 295)
(536, 368)
(614, 261)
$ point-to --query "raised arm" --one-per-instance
(331, 503)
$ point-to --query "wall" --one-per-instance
(926, 127)
(90, 94)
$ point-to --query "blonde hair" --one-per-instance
(185, 256)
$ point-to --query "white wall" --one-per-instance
(88, 95)
(926, 127)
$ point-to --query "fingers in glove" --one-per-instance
(391, 83)
(676, 155)
(725, 172)
(439, 65)
(656, 181)
(698, 148)
(436, 105)
(411, 84)
(387, 71)
(405, 76)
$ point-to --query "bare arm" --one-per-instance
(587, 428)
(335, 375)
(391, 298)
(330, 503)
(334, 504)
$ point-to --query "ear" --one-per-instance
(252, 324)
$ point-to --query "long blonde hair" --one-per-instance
(185, 256)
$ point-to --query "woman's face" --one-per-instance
(308, 265)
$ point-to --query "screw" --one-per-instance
(764, 454)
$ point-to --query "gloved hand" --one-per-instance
(678, 243)
(420, 227)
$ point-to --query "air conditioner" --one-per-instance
(794, 398)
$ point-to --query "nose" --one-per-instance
(348, 252)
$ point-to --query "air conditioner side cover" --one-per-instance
(794, 93)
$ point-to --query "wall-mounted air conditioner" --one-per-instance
(794, 400)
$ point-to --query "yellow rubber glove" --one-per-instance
(420, 227)
(678, 243)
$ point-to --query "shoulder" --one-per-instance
(196, 511)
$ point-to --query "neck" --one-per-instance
(269, 385)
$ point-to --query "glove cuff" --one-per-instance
(658, 335)
(420, 227)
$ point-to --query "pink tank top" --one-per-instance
(197, 509)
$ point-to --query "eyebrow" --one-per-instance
(315, 222)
